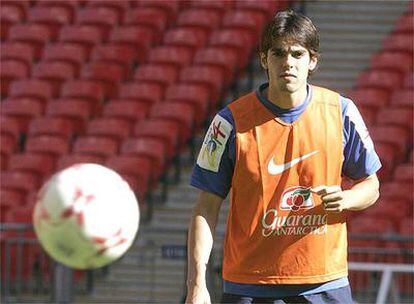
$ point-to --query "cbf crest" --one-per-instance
(214, 144)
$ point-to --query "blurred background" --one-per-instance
(133, 85)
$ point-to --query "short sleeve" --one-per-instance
(213, 171)
(360, 158)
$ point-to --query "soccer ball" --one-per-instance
(86, 216)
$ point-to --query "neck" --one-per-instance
(285, 99)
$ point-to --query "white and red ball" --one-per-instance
(86, 216)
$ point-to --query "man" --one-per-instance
(282, 151)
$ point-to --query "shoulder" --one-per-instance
(325, 95)
(244, 105)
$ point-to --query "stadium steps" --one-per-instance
(349, 36)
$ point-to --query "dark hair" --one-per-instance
(294, 27)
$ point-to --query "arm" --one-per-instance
(200, 243)
(362, 194)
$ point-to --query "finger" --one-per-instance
(333, 197)
(331, 205)
(324, 190)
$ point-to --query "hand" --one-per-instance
(198, 295)
(333, 198)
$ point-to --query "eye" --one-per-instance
(278, 52)
(297, 54)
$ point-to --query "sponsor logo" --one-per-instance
(296, 198)
(275, 169)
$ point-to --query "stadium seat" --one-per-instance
(174, 55)
(392, 60)
(409, 80)
(171, 7)
(55, 126)
(212, 77)
(405, 24)
(406, 226)
(40, 165)
(85, 35)
(12, 70)
(91, 91)
(217, 6)
(162, 74)
(374, 225)
(398, 137)
(152, 149)
(120, 54)
(399, 42)
(55, 72)
(75, 110)
(47, 144)
(23, 109)
(192, 38)
(52, 17)
(120, 6)
(152, 17)
(140, 37)
(397, 190)
(149, 93)
(12, 198)
(389, 80)
(9, 127)
(68, 160)
(34, 34)
(404, 173)
(224, 58)
(7, 148)
(66, 52)
(96, 145)
(10, 14)
(388, 156)
(127, 110)
(249, 20)
(266, 7)
(105, 18)
(36, 88)
(18, 51)
(23, 182)
(392, 209)
(402, 97)
(199, 18)
(402, 117)
(115, 128)
(180, 113)
(109, 74)
(370, 97)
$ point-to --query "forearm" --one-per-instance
(363, 193)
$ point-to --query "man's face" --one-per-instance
(288, 66)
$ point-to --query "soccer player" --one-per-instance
(282, 150)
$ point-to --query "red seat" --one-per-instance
(387, 208)
(120, 6)
(397, 190)
(225, 58)
(51, 126)
(180, 113)
(373, 225)
(388, 155)
(396, 116)
(109, 74)
(404, 173)
(9, 126)
(23, 109)
(55, 72)
(370, 97)
(204, 19)
(23, 182)
(406, 226)
(217, 6)
(130, 111)
(195, 94)
(402, 97)
(77, 111)
(68, 160)
(12, 12)
(114, 128)
(389, 80)
(135, 170)
(52, 17)
(36, 88)
(139, 37)
(212, 77)
(18, 51)
(12, 70)
(162, 74)
(91, 91)
(167, 131)
(174, 55)
(120, 54)
(94, 145)
(11, 197)
(67, 52)
(47, 144)
(39, 164)
(152, 17)
(243, 44)
(266, 7)
(409, 80)
(392, 60)
(399, 42)
(398, 137)
(35, 34)
(171, 7)
(192, 38)
(404, 24)
(84, 35)
(152, 149)
(249, 20)
(104, 17)
(69, 4)
(149, 93)
(8, 147)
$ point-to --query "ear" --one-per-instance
(313, 62)
(263, 60)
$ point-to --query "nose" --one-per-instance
(289, 60)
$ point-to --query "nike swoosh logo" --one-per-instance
(275, 169)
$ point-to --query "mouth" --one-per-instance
(287, 75)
